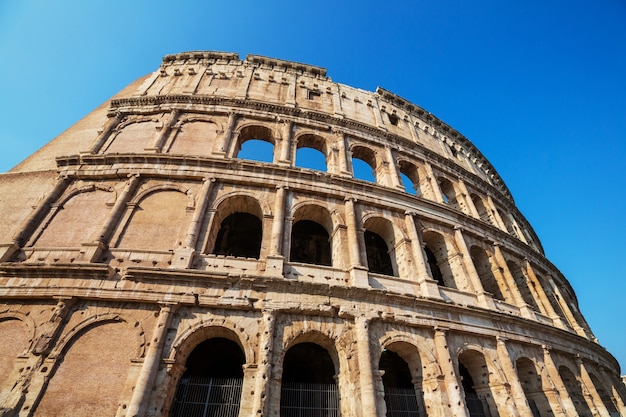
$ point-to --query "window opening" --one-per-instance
(310, 243)
(434, 267)
(410, 178)
(574, 389)
(400, 395)
(393, 119)
(310, 158)
(483, 267)
(378, 258)
(533, 388)
(211, 384)
(257, 150)
(522, 284)
(239, 235)
(363, 170)
(472, 400)
(454, 151)
(314, 95)
(308, 383)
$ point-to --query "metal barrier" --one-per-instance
(207, 397)
(302, 399)
(401, 402)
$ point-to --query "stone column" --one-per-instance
(343, 167)
(28, 226)
(158, 143)
(469, 204)
(103, 135)
(455, 402)
(496, 214)
(275, 258)
(434, 184)
(264, 368)
(515, 293)
(366, 374)
(393, 173)
(541, 296)
(150, 366)
(484, 299)
(93, 251)
(285, 154)
(183, 256)
(553, 374)
(358, 271)
(428, 286)
(222, 144)
(520, 403)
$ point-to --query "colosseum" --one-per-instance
(154, 263)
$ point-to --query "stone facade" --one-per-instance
(139, 251)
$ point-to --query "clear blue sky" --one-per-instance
(538, 86)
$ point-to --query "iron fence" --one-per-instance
(207, 397)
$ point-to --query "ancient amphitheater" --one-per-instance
(149, 268)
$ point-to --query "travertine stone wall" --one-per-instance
(112, 274)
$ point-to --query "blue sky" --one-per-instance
(539, 87)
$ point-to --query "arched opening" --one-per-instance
(256, 143)
(522, 284)
(605, 396)
(378, 259)
(409, 174)
(475, 382)
(400, 396)
(533, 388)
(310, 243)
(484, 269)
(364, 164)
(240, 234)
(436, 252)
(575, 391)
(431, 259)
(448, 193)
(211, 384)
(483, 213)
(308, 383)
(311, 153)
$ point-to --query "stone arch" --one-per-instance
(312, 235)
(428, 360)
(370, 157)
(605, 388)
(381, 239)
(18, 333)
(479, 375)
(529, 375)
(481, 209)
(449, 192)
(237, 216)
(254, 131)
(414, 173)
(482, 261)
(159, 219)
(437, 251)
(195, 135)
(575, 390)
(134, 135)
(90, 322)
(71, 211)
(91, 377)
(314, 141)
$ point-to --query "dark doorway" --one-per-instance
(211, 384)
(310, 243)
(239, 235)
(378, 259)
(400, 396)
(308, 384)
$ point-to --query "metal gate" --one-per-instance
(475, 405)
(303, 399)
(401, 402)
(207, 397)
